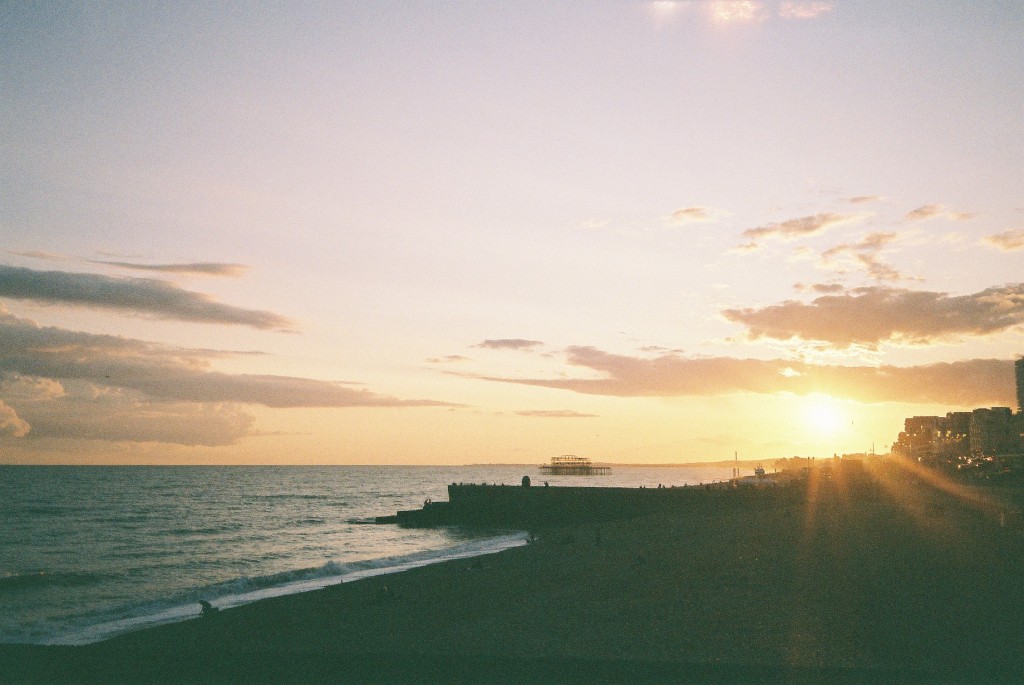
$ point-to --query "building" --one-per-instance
(958, 436)
(933, 438)
(994, 431)
(1019, 368)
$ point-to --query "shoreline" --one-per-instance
(314, 580)
(898, 582)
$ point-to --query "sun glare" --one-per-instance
(824, 415)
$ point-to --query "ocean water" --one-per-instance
(87, 553)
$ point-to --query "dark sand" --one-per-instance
(821, 582)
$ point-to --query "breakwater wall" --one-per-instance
(515, 506)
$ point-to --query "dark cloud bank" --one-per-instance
(63, 383)
(969, 383)
(146, 296)
(192, 269)
(870, 316)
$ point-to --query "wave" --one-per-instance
(310, 521)
(15, 582)
(205, 530)
(248, 589)
(289, 495)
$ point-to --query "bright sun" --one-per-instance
(823, 414)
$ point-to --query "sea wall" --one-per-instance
(538, 506)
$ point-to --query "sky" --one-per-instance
(483, 232)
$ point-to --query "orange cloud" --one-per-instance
(926, 212)
(794, 229)
(12, 425)
(691, 214)
(968, 383)
(1007, 240)
(870, 316)
(865, 255)
(71, 384)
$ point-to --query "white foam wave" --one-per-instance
(247, 590)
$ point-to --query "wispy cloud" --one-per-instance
(737, 11)
(967, 383)
(1008, 241)
(794, 229)
(509, 344)
(875, 315)
(448, 359)
(864, 254)
(688, 215)
(44, 256)
(145, 296)
(727, 12)
(65, 382)
(792, 9)
(555, 414)
(820, 288)
(864, 199)
(194, 268)
(926, 212)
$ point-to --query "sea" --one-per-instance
(90, 552)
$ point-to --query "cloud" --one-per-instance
(926, 212)
(555, 414)
(146, 296)
(18, 387)
(449, 359)
(69, 384)
(967, 383)
(791, 9)
(864, 199)
(737, 11)
(1007, 240)
(724, 12)
(870, 316)
(820, 288)
(509, 344)
(863, 254)
(794, 229)
(691, 215)
(12, 425)
(44, 256)
(195, 268)
(116, 419)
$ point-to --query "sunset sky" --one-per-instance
(467, 232)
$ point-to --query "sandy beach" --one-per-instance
(820, 581)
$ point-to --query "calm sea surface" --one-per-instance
(90, 552)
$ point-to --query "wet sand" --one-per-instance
(817, 582)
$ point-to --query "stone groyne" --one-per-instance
(537, 506)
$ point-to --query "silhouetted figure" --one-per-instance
(526, 481)
(208, 609)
